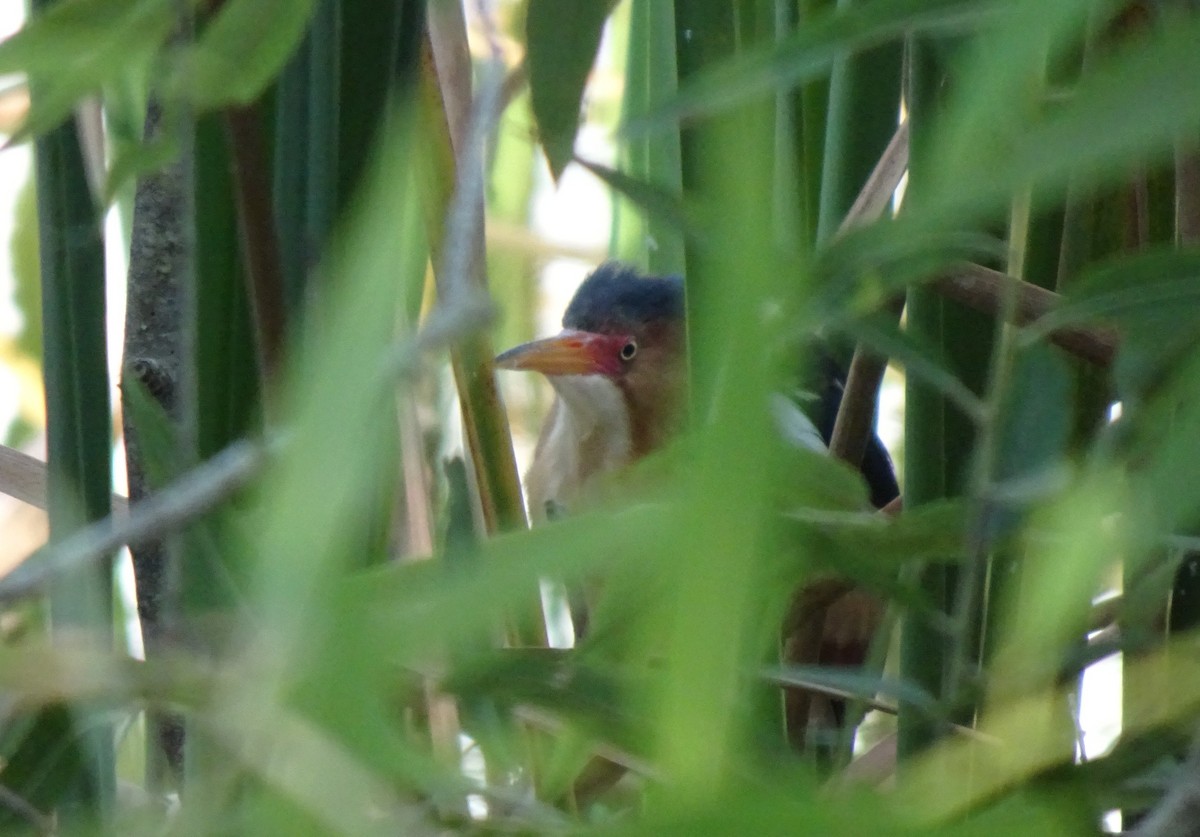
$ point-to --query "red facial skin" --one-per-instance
(569, 353)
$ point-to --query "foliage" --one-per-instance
(331, 648)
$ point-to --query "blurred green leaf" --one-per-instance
(1152, 298)
(1122, 289)
(650, 76)
(89, 39)
(853, 684)
(567, 683)
(859, 271)
(158, 445)
(1080, 138)
(76, 48)
(561, 39)
(132, 162)
(240, 50)
(934, 531)
(656, 202)
(907, 350)
(808, 54)
(782, 804)
(1072, 542)
(1034, 425)
(23, 247)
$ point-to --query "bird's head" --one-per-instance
(626, 328)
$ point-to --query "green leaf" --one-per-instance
(137, 160)
(157, 442)
(650, 77)
(1123, 290)
(1081, 138)
(78, 421)
(808, 54)
(872, 549)
(1153, 299)
(657, 203)
(240, 51)
(856, 685)
(992, 100)
(917, 358)
(566, 682)
(77, 47)
(1035, 421)
(561, 40)
(88, 39)
(786, 803)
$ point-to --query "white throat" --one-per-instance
(590, 436)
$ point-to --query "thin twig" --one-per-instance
(191, 496)
(458, 243)
(877, 193)
(1179, 809)
(791, 681)
(23, 477)
(11, 800)
(982, 288)
(856, 414)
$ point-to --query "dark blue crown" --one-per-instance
(617, 297)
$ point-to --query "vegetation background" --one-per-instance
(327, 205)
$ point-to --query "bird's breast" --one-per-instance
(586, 435)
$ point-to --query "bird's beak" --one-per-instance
(567, 353)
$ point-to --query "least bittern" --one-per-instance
(619, 373)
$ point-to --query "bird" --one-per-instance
(619, 372)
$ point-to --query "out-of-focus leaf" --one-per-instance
(993, 100)
(658, 203)
(76, 48)
(1020, 739)
(1126, 288)
(240, 51)
(857, 273)
(23, 247)
(400, 596)
(1109, 780)
(86, 38)
(919, 360)
(1153, 299)
(1034, 428)
(931, 532)
(564, 682)
(1140, 81)
(854, 684)
(157, 442)
(134, 161)
(808, 54)
(815, 480)
(1072, 543)
(651, 75)
(788, 804)
(561, 39)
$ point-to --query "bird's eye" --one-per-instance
(629, 350)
